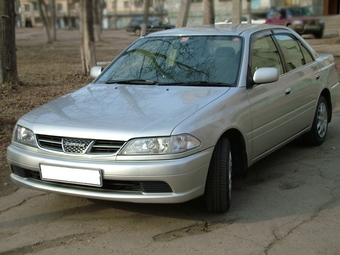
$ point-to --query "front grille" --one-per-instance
(112, 185)
(77, 145)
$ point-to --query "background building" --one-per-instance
(117, 13)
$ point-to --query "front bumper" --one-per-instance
(185, 176)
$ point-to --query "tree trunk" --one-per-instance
(237, 9)
(87, 47)
(145, 17)
(69, 25)
(43, 15)
(248, 11)
(54, 21)
(96, 26)
(183, 13)
(115, 18)
(209, 12)
(8, 59)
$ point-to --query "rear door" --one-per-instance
(304, 74)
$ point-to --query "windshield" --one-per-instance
(188, 60)
(299, 12)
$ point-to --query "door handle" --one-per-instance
(288, 91)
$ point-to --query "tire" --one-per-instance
(319, 35)
(318, 132)
(219, 180)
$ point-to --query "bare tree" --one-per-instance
(183, 13)
(54, 21)
(87, 45)
(159, 7)
(209, 12)
(237, 8)
(96, 19)
(69, 26)
(115, 18)
(8, 60)
(145, 18)
(248, 11)
(44, 18)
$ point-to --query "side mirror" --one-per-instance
(266, 75)
(95, 71)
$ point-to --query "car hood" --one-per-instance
(111, 111)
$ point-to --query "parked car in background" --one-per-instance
(244, 20)
(300, 19)
(177, 114)
(154, 24)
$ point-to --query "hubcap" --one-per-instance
(322, 120)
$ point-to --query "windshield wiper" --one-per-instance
(136, 81)
(195, 83)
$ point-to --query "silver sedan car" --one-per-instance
(176, 115)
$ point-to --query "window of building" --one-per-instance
(59, 7)
(138, 3)
(35, 7)
(26, 7)
(126, 4)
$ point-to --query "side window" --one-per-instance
(292, 54)
(308, 57)
(265, 54)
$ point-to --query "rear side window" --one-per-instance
(308, 57)
(294, 54)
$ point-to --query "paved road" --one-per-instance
(288, 204)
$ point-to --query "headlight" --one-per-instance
(160, 145)
(25, 136)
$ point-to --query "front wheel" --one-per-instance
(318, 132)
(219, 180)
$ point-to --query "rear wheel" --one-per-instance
(319, 34)
(219, 180)
(318, 132)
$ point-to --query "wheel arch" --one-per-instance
(238, 151)
(327, 95)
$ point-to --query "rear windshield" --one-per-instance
(184, 60)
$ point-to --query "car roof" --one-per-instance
(217, 29)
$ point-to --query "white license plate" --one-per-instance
(90, 177)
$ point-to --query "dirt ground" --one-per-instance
(47, 71)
